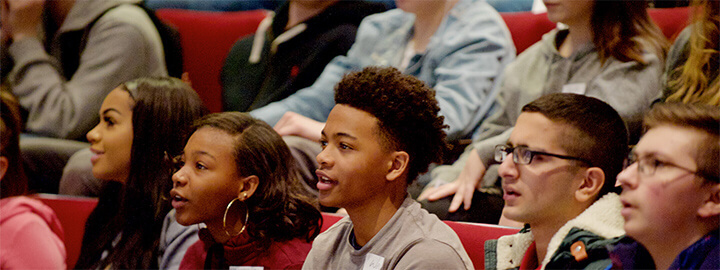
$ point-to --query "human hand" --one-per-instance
(295, 124)
(21, 18)
(463, 187)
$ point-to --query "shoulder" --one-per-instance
(336, 232)
(431, 254)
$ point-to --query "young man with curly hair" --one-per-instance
(382, 133)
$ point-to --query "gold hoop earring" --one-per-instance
(247, 216)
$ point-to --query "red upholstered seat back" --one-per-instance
(206, 39)
(72, 213)
(474, 235)
(527, 28)
(670, 20)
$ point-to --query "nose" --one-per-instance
(323, 158)
(508, 168)
(93, 136)
(628, 177)
(179, 178)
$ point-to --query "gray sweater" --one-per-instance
(629, 87)
(122, 45)
(412, 239)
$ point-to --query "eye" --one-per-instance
(323, 143)
(345, 146)
(200, 166)
(178, 162)
(109, 121)
(657, 163)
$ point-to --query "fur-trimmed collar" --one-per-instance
(601, 218)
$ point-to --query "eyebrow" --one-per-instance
(203, 153)
(340, 135)
(109, 110)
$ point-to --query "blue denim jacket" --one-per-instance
(463, 63)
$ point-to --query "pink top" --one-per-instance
(30, 236)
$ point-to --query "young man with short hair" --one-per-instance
(671, 192)
(383, 132)
(558, 170)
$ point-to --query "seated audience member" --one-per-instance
(142, 123)
(670, 192)
(691, 72)
(67, 57)
(235, 177)
(383, 132)
(289, 50)
(558, 171)
(610, 50)
(457, 47)
(31, 236)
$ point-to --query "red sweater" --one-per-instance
(241, 251)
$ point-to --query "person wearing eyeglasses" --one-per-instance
(558, 171)
(671, 192)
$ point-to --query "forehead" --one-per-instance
(670, 141)
(118, 99)
(212, 141)
(346, 120)
(538, 132)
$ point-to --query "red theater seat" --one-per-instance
(474, 235)
(206, 39)
(72, 212)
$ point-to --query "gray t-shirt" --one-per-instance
(412, 238)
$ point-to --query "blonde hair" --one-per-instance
(691, 82)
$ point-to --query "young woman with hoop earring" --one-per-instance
(237, 176)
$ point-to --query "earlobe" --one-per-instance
(399, 164)
(592, 183)
(711, 206)
(248, 186)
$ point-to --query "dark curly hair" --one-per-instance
(406, 109)
(281, 209)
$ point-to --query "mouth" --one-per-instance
(96, 155)
(324, 181)
(509, 193)
(178, 201)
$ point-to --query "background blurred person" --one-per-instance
(691, 72)
(32, 237)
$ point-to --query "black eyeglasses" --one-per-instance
(523, 155)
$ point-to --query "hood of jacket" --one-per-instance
(85, 11)
(602, 218)
(14, 206)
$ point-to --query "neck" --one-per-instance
(59, 10)
(663, 254)
(428, 20)
(369, 218)
(579, 34)
(300, 11)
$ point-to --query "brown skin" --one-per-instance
(22, 18)
(368, 179)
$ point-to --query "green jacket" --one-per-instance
(600, 225)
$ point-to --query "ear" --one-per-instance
(248, 187)
(711, 206)
(398, 165)
(591, 184)
(4, 164)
